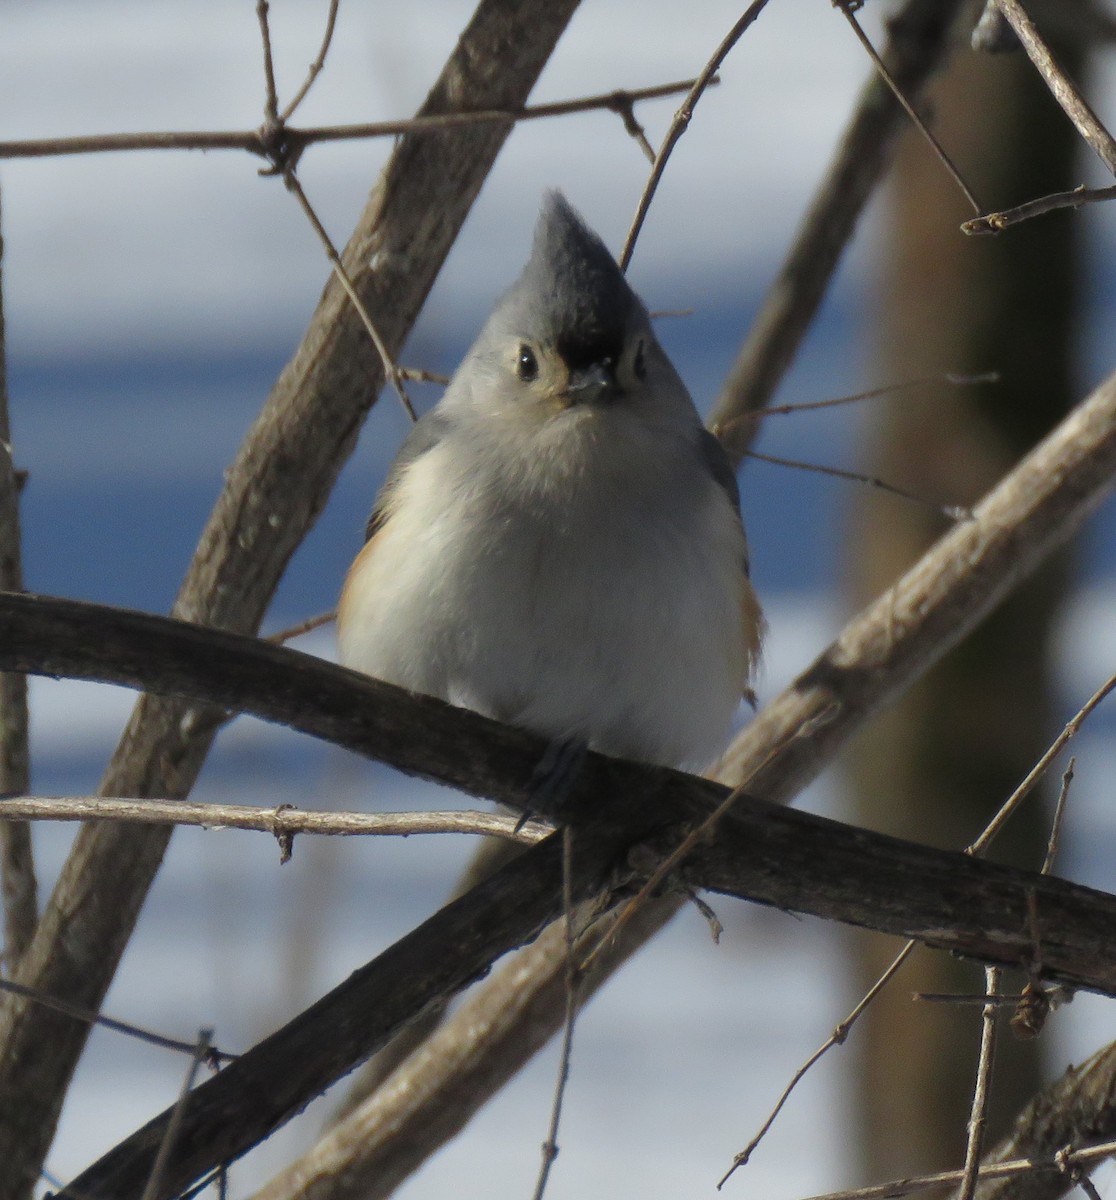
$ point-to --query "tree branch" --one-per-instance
(782, 857)
(274, 492)
(918, 43)
(1074, 1111)
(296, 140)
(17, 864)
(285, 821)
(1073, 104)
(434, 1092)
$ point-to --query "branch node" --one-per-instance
(284, 834)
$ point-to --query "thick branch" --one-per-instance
(274, 492)
(919, 40)
(790, 859)
(762, 852)
(434, 1092)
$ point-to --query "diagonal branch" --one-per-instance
(274, 492)
(1074, 105)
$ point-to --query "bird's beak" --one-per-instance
(595, 384)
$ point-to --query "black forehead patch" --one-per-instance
(579, 352)
(577, 295)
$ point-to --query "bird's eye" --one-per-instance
(639, 362)
(526, 364)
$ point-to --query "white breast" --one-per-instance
(609, 610)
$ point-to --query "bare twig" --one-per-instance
(1073, 103)
(952, 512)
(421, 375)
(837, 1038)
(17, 863)
(282, 636)
(282, 820)
(625, 108)
(997, 221)
(1011, 1169)
(891, 389)
(391, 372)
(271, 96)
(1056, 823)
(919, 39)
(681, 123)
(1070, 731)
(170, 1134)
(848, 8)
(299, 139)
(977, 848)
(316, 66)
(974, 1142)
(570, 982)
(215, 1056)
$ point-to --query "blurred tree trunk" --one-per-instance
(941, 760)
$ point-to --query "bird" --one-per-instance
(558, 542)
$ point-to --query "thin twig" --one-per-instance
(271, 96)
(315, 66)
(1086, 1185)
(997, 221)
(293, 631)
(1059, 813)
(952, 512)
(391, 371)
(280, 821)
(1003, 1170)
(1072, 728)
(919, 40)
(93, 1018)
(300, 138)
(680, 124)
(978, 1115)
(976, 849)
(170, 1134)
(1073, 103)
(890, 389)
(848, 9)
(18, 884)
(837, 1038)
(550, 1146)
(625, 107)
(421, 375)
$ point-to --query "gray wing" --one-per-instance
(720, 467)
(715, 458)
(426, 433)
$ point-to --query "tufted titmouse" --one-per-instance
(558, 544)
